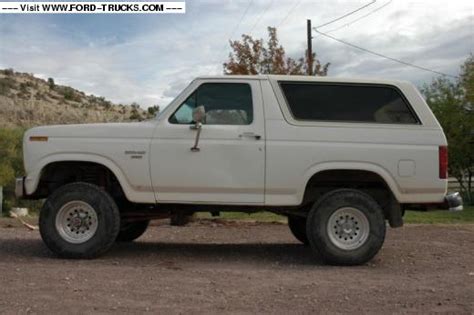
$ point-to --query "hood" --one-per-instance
(98, 139)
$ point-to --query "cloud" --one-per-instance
(440, 51)
(150, 59)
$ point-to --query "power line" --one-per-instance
(383, 56)
(238, 24)
(261, 15)
(297, 3)
(346, 15)
(241, 19)
(360, 18)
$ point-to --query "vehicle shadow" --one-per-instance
(17, 248)
(284, 254)
(141, 253)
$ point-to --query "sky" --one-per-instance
(149, 59)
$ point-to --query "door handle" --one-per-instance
(250, 135)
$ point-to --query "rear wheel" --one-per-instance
(297, 227)
(346, 227)
(79, 220)
(130, 231)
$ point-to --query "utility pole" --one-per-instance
(310, 47)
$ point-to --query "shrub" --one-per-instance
(107, 105)
(153, 110)
(51, 83)
(6, 84)
(9, 71)
(11, 163)
(135, 115)
(24, 88)
(70, 95)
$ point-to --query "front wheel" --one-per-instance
(79, 220)
(346, 227)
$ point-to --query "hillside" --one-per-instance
(27, 101)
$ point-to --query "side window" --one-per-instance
(348, 103)
(225, 104)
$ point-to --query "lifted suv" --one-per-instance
(338, 157)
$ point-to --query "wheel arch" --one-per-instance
(370, 178)
(363, 168)
(34, 183)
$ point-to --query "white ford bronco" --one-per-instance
(338, 157)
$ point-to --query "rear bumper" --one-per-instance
(453, 202)
(20, 187)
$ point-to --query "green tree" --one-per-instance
(251, 56)
(452, 103)
(467, 81)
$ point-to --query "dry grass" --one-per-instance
(27, 101)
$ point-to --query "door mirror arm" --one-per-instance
(199, 115)
(198, 127)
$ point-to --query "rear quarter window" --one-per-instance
(347, 103)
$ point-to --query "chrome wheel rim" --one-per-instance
(348, 228)
(76, 222)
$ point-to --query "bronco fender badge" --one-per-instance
(135, 154)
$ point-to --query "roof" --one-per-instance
(304, 78)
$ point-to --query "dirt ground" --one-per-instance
(215, 267)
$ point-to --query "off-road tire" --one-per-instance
(319, 217)
(130, 231)
(108, 221)
(297, 227)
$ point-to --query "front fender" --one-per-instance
(134, 194)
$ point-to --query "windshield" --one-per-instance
(168, 107)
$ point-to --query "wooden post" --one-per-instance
(310, 47)
(1, 201)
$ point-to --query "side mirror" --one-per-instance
(199, 117)
(199, 114)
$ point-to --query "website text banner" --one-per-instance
(33, 7)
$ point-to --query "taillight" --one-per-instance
(443, 162)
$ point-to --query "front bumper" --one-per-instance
(20, 187)
(454, 202)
